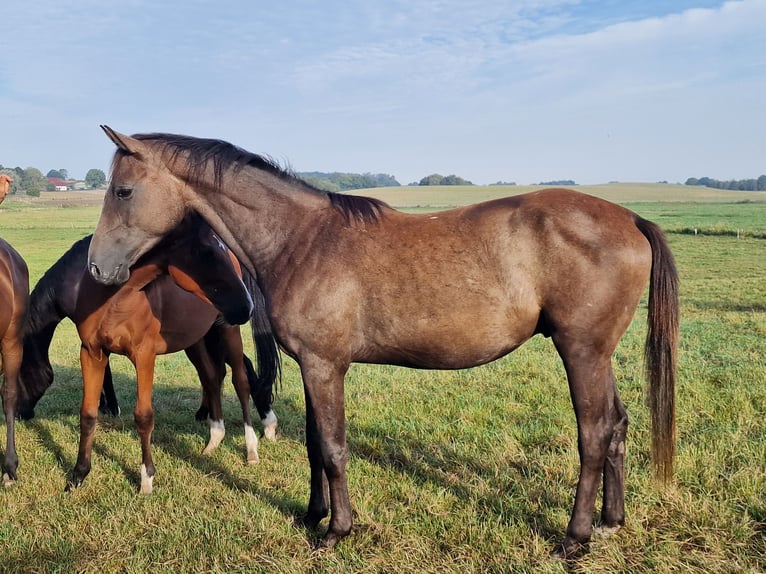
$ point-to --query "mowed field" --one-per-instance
(455, 471)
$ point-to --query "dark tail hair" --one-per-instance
(266, 351)
(661, 348)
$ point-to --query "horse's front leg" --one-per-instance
(326, 446)
(93, 367)
(144, 417)
(10, 357)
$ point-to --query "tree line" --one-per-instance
(32, 182)
(758, 184)
(338, 181)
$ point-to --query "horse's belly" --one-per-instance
(457, 346)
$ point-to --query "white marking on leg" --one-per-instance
(270, 425)
(217, 432)
(7, 480)
(146, 481)
(251, 442)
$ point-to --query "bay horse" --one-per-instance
(152, 315)
(350, 279)
(5, 186)
(14, 297)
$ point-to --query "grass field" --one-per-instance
(460, 471)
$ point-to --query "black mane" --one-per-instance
(198, 152)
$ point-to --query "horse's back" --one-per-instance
(462, 287)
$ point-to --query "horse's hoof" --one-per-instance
(568, 549)
(8, 479)
(308, 521)
(328, 541)
(146, 481)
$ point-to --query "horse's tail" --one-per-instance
(266, 351)
(661, 348)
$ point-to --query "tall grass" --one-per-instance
(457, 471)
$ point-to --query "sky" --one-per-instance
(518, 91)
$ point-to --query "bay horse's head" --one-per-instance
(143, 203)
(199, 262)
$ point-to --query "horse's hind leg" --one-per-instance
(108, 404)
(613, 509)
(211, 373)
(592, 391)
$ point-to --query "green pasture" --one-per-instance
(456, 471)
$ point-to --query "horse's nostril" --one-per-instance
(94, 270)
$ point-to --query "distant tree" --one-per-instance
(61, 174)
(33, 182)
(437, 179)
(433, 179)
(504, 183)
(758, 184)
(337, 181)
(558, 182)
(95, 178)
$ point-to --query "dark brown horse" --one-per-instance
(14, 296)
(348, 279)
(151, 315)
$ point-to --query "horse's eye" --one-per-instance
(123, 192)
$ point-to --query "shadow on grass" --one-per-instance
(520, 494)
(62, 401)
(709, 305)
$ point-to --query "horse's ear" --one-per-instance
(126, 143)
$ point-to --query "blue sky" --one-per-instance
(523, 91)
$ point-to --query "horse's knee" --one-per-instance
(144, 421)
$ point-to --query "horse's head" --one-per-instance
(199, 262)
(35, 376)
(130, 224)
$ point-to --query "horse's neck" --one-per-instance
(37, 339)
(260, 216)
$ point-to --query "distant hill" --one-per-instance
(337, 181)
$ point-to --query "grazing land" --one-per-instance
(456, 471)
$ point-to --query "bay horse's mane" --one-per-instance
(196, 153)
